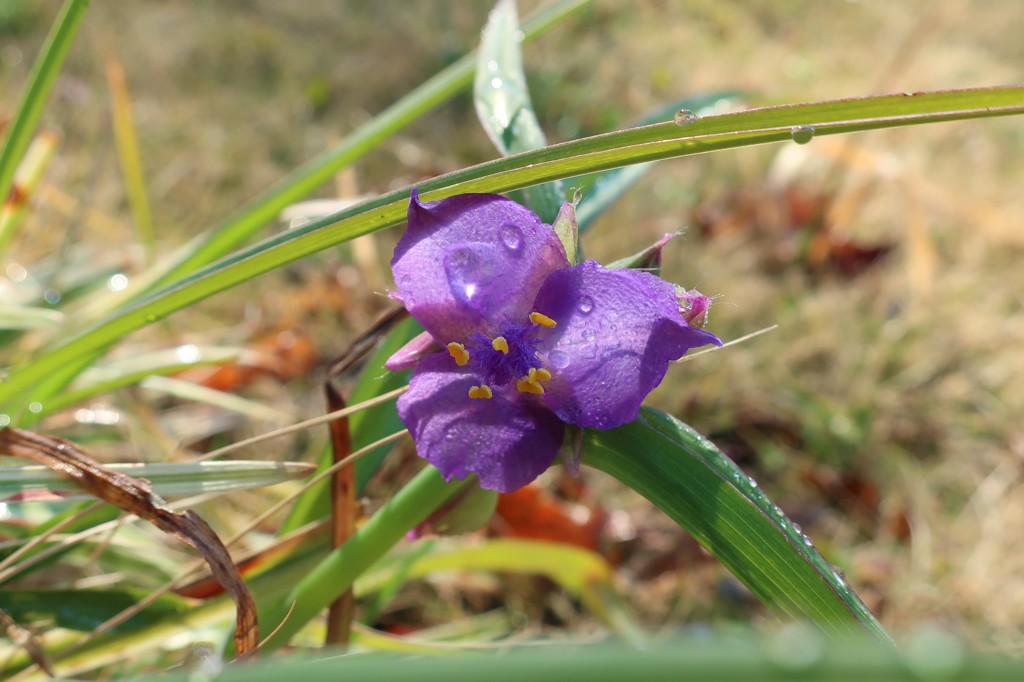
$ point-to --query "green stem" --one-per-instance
(338, 571)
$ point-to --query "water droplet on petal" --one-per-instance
(558, 359)
(406, 279)
(492, 65)
(511, 236)
(495, 82)
(801, 134)
(585, 304)
(685, 117)
(589, 334)
(470, 268)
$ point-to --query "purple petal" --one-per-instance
(507, 441)
(617, 332)
(408, 355)
(469, 262)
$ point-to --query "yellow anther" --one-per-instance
(459, 352)
(539, 374)
(501, 344)
(542, 320)
(481, 392)
(529, 386)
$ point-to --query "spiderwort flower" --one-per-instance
(528, 342)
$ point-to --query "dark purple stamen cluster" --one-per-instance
(497, 368)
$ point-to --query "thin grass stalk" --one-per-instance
(36, 92)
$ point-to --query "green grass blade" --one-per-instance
(27, 317)
(167, 478)
(83, 610)
(129, 157)
(582, 572)
(40, 82)
(190, 392)
(337, 572)
(25, 184)
(502, 102)
(785, 657)
(704, 492)
(612, 150)
(131, 371)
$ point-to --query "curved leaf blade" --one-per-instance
(705, 492)
(611, 150)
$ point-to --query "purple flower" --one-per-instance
(528, 343)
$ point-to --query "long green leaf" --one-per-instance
(85, 609)
(612, 150)
(585, 574)
(339, 570)
(26, 317)
(133, 370)
(704, 492)
(40, 82)
(503, 105)
(167, 478)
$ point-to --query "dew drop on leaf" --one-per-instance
(685, 117)
(801, 134)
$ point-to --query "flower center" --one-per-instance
(510, 356)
